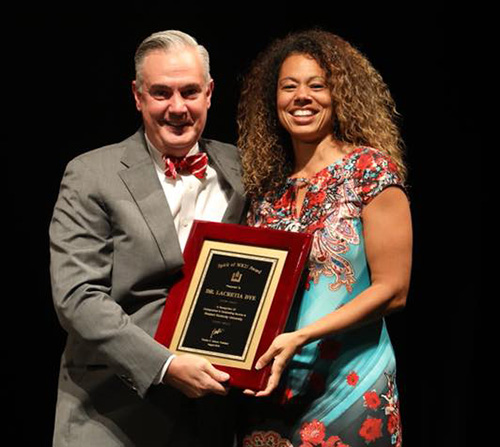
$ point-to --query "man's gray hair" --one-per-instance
(166, 40)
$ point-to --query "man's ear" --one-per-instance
(137, 95)
(210, 90)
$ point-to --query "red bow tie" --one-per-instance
(194, 164)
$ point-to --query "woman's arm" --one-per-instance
(388, 244)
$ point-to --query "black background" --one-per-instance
(67, 90)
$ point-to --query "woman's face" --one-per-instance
(304, 102)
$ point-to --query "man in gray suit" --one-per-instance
(117, 234)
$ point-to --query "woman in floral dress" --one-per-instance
(322, 154)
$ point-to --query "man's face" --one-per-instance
(174, 99)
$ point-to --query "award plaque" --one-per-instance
(234, 296)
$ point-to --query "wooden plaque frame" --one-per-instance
(234, 296)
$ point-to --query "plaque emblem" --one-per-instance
(236, 277)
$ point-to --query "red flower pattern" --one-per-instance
(286, 396)
(352, 378)
(313, 432)
(334, 441)
(372, 400)
(364, 162)
(317, 198)
(371, 429)
(266, 439)
(334, 199)
(392, 423)
(392, 411)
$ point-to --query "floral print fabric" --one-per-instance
(339, 391)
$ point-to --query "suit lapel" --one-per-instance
(142, 182)
(139, 176)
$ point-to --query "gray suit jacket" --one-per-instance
(114, 254)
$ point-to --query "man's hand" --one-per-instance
(195, 376)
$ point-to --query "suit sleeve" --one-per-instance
(81, 246)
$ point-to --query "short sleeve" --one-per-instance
(374, 171)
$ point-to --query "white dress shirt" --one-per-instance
(189, 198)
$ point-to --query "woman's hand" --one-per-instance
(282, 349)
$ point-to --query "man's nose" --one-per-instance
(177, 104)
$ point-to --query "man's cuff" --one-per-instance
(163, 371)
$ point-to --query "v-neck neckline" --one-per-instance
(305, 183)
(311, 180)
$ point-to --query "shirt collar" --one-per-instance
(158, 156)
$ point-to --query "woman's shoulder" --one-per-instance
(372, 170)
(364, 162)
(366, 157)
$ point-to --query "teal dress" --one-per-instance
(339, 391)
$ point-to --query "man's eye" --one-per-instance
(190, 93)
(160, 93)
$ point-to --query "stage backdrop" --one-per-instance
(68, 79)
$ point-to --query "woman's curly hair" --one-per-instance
(364, 112)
